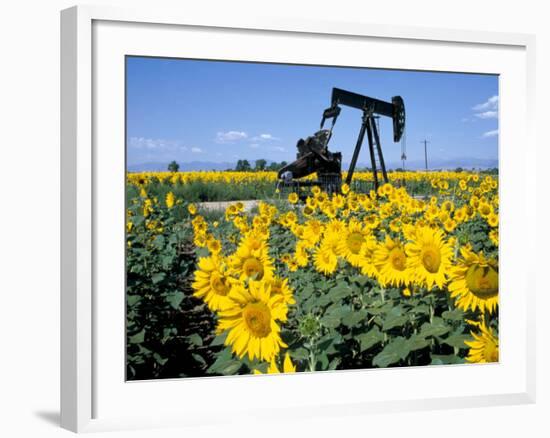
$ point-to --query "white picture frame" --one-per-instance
(91, 389)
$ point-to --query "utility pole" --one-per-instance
(425, 152)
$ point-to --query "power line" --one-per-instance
(425, 152)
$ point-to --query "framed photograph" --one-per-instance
(320, 215)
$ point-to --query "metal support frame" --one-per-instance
(368, 125)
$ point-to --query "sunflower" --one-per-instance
(248, 263)
(390, 260)
(288, 366)
(353, 243)
(335, 226)
(492, 219)
(213, 244)
(484, 347)
(293, 198)
(324, 258)
(170, 199)
(449, 225)
(251, 321)
(312, 232)
(292, 265)
(255, 240)
(485, 209)
(474, 282)
(211, 283)
(301, 255)
(430, 257)
(493, 236)
(280, 286)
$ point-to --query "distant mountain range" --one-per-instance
(453, 163)
(193, 165)
(446, 164)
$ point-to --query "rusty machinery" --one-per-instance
(314, 156)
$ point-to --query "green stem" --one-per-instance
(312, 359)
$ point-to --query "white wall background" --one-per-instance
(29, 214)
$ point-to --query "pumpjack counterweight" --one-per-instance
(314, 156)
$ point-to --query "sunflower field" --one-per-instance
(405, 276)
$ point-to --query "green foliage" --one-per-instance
(167, 328)
(260, 164)
(173, 166)
(243, 166)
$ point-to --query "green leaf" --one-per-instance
(159, 241)
(158, 277)
(199, 358)
(354, 317)
(393, 320)
(175, 299)
(340, 291)
(372, 337)
(361, 280)
(446, 359)
(230, 368)
(396, 350)
(219, 340)
(338, 311)
(457, 340)
(323, 300)
(334, 364)
(167, 260)
(132, 300)
(202, 252)
(322, 359)
(453, 315)
(299, 354)
(417, 342)
(138, 338)
(306, 292)
(224, 363)
(330, 321)
(436, 328)
(159, 359)
(422, 308)
(195, 339)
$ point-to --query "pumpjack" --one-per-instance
(314, 156)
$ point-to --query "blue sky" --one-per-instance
(215, 111)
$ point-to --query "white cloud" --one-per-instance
(265, 138)
(196, 150)
(155, 144)
(279, 148)
(230, 136)
(487, 115)
(254, 145)
(492, 133)
(489, 104)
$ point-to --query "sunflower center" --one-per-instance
(431, 259)
(255, 244)
(482, 281)
(398, 259)
(257, 318)
(490, 352)
(276, 287)
(218, 285)
(355, 241)
(252, 266)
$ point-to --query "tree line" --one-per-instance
(259, 165)
(242, 166)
